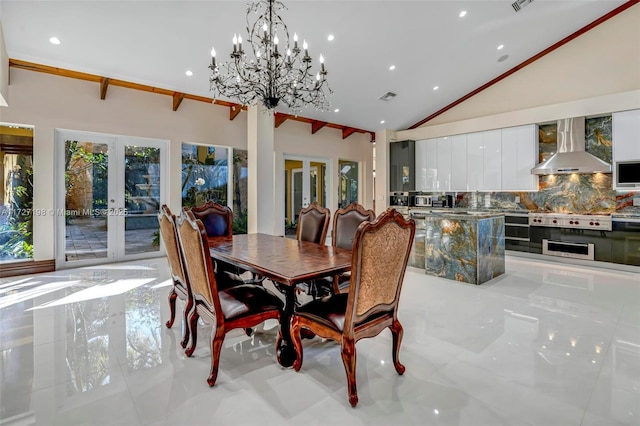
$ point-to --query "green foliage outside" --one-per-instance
(16, 221)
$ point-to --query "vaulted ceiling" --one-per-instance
(155, 42)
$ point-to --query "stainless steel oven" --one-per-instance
(584, 251)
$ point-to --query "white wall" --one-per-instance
(49, 102)
(596, 73)
(4, 71)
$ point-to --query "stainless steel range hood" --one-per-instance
(571, 156)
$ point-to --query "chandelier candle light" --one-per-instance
(273, 75)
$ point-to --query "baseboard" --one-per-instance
(11, 269)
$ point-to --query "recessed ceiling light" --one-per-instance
(331, 37)
(463, 14)
(189, 73)
(503, 58)
(336, 110)
(54, 40)
(392, 67)
(500, 47)
(381, 121)
(436, 87)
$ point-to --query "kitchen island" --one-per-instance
(464, 246)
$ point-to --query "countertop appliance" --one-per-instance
(399, 199)
(420, 200)
(442, 201)
(576, 236)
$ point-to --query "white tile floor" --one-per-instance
(544, 344)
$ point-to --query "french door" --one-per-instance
(109, 191)
(307, 182)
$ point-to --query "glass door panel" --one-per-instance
(348, 185)
(142, 198)
(86, 191)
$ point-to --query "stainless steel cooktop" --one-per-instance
(573, 221)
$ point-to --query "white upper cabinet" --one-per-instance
(421, 165)
(492, 160)
(475, 161)
(458, 162)
(626, 135)
(432, 165)
(426, 164)
(518, 158)
(444, 164)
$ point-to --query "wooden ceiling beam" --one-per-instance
(234, 110)
(104, 85)
(30, 66)
(280, 118)
(177, 100)
(348, 131)
(317, 125)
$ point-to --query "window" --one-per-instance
(206, 175)
(16, 192)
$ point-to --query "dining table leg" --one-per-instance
(286, 353)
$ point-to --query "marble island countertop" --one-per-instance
(461, 214)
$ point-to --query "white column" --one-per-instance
(383, 138)
(261, 170)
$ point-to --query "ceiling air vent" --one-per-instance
(519, 4)
(387, 96)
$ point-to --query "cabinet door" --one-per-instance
(626, 135)
(402, 166)
(421, 165)
(432, 165)
(492, 160)
(510, 158)
(527, 157)
(518, 157)
(475, 161)
(444, 164)
(458, 163)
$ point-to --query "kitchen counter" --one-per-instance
(466, 246)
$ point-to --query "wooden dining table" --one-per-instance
(286, 262)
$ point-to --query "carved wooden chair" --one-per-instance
(380, 255)
(345, 224)
(313, 223)
(241, 306)
(181, 286)
(218, 222)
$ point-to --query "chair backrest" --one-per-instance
(198, 265)
(313, 223)
(346, 222)
(217, 219)
(379, 261)
(169, 236)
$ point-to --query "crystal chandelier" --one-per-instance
(277, 71)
